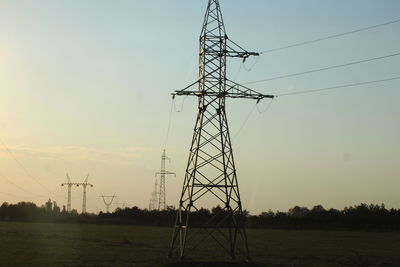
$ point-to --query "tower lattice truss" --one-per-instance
(210, 175)
(162, 202)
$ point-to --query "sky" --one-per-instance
(85, 88)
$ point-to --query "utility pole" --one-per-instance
(153, 200)
(69, 184)
(84, 185)
(108, 200)
(210, 175)
(162, 205)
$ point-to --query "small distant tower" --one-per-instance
(69, 184)
(161, 194)
(84, 185)
(153, 200)
(108, 200)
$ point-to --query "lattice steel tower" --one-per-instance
(162, 204)
(108, 200)
(153, 199)
(210, 172)
(84, 185)
(69, 184)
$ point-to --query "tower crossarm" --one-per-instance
(233, 90)
(77, 184)
(185, 90)
(235, 50)
(231, 49)
(85, 184)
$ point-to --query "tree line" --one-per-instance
(359, 217)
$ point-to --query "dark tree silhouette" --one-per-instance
(360, 217)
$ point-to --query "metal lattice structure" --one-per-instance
(84, 185)
(108, 200)
(69, 184)
(153, 199)
(162, 204)
(210, 173)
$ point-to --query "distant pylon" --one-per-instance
(210, 177)
(69, 184)
(108, 200)
(162, 204)
(84, 185)
(154, 194)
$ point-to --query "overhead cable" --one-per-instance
(245, 121)
(169, 123)
(330, 36)
(11, 195)
(23, 167)
(338, 86)
(19, 187)
(324, 68)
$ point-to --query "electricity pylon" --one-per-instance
(210, 170)
(69, 184)
(108, 200)
(153, 200)
(162, 205)
(84, 185)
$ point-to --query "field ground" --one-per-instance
(83, 245)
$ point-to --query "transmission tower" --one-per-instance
(210, 173)
(161, 194)
(108, 200)
(69, 184)
(84, 185)
(153, 200)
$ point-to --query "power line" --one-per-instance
(11, 195)
(245, 121)
(251, 66)
(330, 36)
(21, 188)
(324, 68)
(255, 107)
(23, 167)
(238, 71)
(338, 86)
(169, 123)
(266, 109)
(180, 109)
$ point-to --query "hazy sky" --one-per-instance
(85, 88)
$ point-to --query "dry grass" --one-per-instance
(83, 245)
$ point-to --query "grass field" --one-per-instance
(41, 244)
